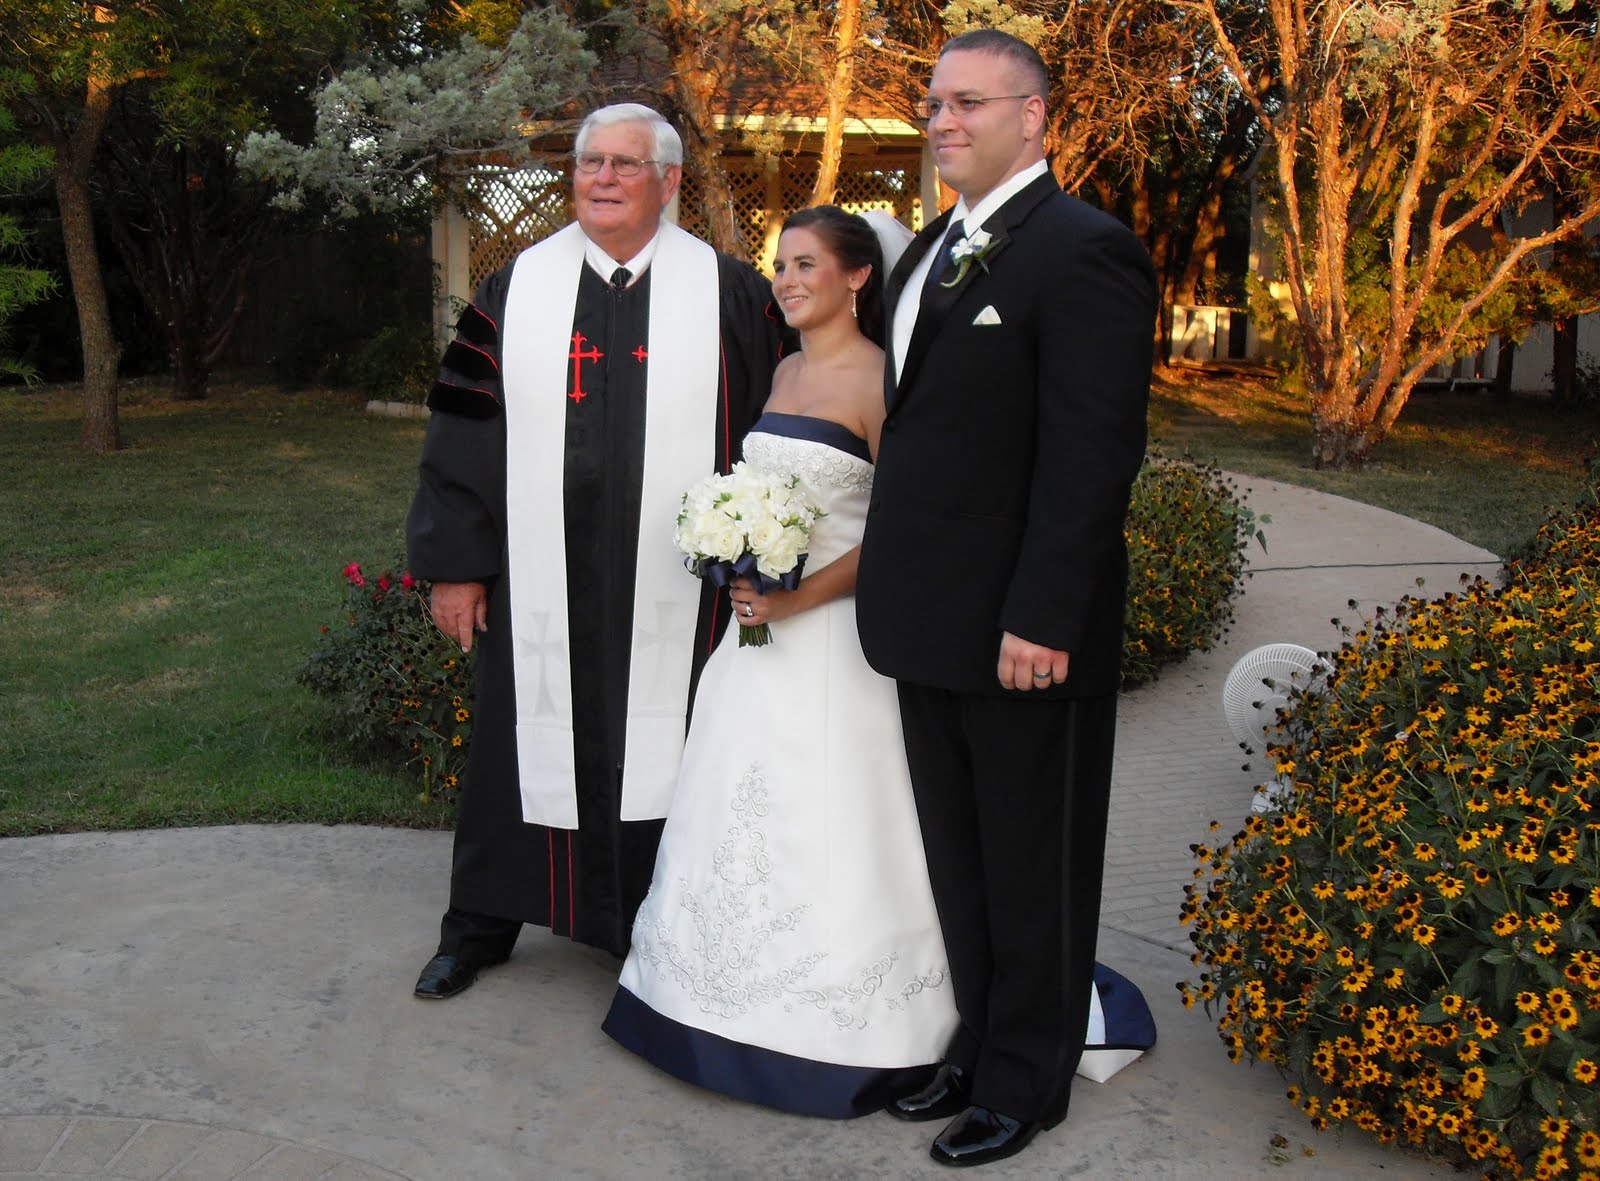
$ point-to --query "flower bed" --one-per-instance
(1186, 532)
(401, 690)
(1412, 936)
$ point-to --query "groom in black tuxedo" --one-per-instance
(993, 575)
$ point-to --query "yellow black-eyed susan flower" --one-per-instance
(1587, 1149)
(1554, 1128)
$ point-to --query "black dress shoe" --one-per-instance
(446, 975)
(979, 1135)
(942, 1098)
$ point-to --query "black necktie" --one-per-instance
(942, 262)
(619, 279)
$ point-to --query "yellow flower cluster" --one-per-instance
(1186, 533)
(1413, 936)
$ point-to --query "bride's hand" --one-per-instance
(752, 608)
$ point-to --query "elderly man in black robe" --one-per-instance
(590, 383)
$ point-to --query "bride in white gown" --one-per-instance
(788, 952)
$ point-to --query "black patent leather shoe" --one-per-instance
(445, 976)
(980, 1135)
(948, 1094)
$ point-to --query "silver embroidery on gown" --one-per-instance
(790, 907)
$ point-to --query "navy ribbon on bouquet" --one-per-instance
(723, 573)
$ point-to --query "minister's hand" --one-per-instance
(459, 609)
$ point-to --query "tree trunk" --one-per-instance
(716, 199)
(846, 26)
(191, 376)
(1338, 446)
(1342, 431)
(1564, 361)
(1504, 368)
(101, 352)
(693, 49)
(100, 430)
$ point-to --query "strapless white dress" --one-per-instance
(788, 951)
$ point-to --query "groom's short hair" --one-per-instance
(1022, 56)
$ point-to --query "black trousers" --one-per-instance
(1012, 794)
(477, 938)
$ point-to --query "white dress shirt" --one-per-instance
(605, 266)
(905, 312)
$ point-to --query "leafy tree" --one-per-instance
(187, 229)
(72, 58)
(403, 132)
(189, 60)
(707, 43)
(20, 284)
(1405, 140)
(821, 45)
(187, 226)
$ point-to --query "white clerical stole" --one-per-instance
(680, 428)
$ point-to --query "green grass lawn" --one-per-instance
(157, 602)
(160, 600)
(1485, 471)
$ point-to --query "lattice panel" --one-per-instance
(510, 211)
(689, 216)
(892, 189)
(747, 189)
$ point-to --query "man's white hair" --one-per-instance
(668, 144)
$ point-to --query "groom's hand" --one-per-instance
(1025, 666)
(459, 609)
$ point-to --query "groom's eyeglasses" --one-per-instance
(930, 109)
(620, 164)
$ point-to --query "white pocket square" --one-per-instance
(987, 316)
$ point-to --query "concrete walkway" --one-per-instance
(235, 1002)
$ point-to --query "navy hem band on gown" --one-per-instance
(754, 1074)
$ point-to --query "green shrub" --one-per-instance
(396, 363)
(1412, 936)
(401, 690)
(1187, 532)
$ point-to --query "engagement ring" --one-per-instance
(748, 610)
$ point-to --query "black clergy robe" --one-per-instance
(586, 883)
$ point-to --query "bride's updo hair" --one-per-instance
(854, 243)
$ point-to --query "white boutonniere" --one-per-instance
(976, 247)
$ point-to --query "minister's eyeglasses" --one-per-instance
(620, 164)
(930, 109)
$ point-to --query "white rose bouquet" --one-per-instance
(747, 524)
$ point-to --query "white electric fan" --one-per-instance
(1258, 686)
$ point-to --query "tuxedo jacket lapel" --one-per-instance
(929, 239)
(939, 300)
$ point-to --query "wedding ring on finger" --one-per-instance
(748, 610)
(1044, 676)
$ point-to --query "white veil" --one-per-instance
(893, 238)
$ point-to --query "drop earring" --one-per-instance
(852, 301)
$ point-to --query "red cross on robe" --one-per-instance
(578, 356)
